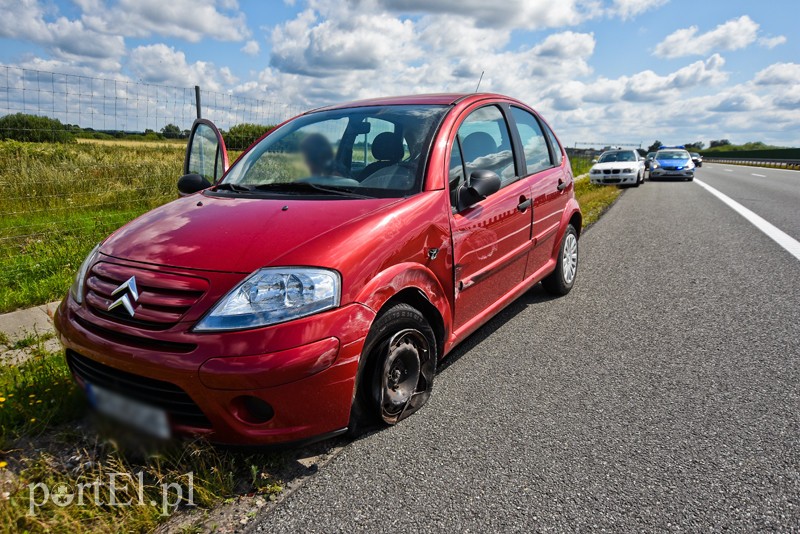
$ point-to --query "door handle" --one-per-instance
(525, 204)
(561, 184)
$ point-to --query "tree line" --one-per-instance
(38, 129)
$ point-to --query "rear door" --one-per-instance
(550, 181)
(491, 239)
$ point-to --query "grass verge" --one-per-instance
(594, 199)
(56, 468)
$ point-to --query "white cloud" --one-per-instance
(251, 48)
(191, 20)
(528, 14)
(772, 42)
(630, 8)
(645, 86)
(162, 64)
(314, 46)
(70, 41)
(731, 35)
(779, 74)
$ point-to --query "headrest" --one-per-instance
(387, 146)
(478, 144)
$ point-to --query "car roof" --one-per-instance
(441, 99)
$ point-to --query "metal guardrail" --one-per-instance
(758, 162)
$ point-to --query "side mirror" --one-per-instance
(594, 160)
(189, 184)
(482, 184)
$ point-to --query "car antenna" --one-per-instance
(479, 81)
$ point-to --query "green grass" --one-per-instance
(44, 440)
(35, 395)
(594, 199)
(60, 200)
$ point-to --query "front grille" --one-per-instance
(177, 403)
(135, 341)
(611, 171)
(164, 298)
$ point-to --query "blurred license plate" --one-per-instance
(129, 411)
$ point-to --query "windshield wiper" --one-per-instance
(227, 186)
(306, 187)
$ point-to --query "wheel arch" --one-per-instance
(415, 298)
(417, 286)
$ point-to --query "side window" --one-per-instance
(558, 157)
(455, 174)
(537, 156)
(486, 144)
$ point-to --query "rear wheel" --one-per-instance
(560, 281)
(398, 367)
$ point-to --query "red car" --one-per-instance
(313, 286)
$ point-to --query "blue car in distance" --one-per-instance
(672, 163)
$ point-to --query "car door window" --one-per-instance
(486, 144)
(557, 155)
(455, 174)
(534, 145)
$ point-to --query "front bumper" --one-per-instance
(621, 178)
(304, 369)
(669, 173)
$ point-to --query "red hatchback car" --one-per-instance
(313, 286)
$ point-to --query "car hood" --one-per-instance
(616, 165)
(231, 234)
(674, 162)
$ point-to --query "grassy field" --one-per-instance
(60, 200)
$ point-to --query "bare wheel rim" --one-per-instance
(401, 370)
(569, 258)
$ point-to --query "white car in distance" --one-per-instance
(618, 167)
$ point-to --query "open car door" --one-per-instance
(206, 158)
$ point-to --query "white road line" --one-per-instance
(757, 167)
(728, 170)
(759, 175)
(772, 231)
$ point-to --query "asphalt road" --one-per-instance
(661, 394)
(772, 193)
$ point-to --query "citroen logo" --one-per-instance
(131, 295)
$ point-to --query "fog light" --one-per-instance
(252, 410)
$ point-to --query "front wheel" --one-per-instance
(560, 281)
(399, 364)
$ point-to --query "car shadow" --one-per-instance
(536, 295)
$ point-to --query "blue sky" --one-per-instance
(598, 70)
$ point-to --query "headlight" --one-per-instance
(627, 171)
(274, 295)
(77, 286)
(653, 164)
(595, 171)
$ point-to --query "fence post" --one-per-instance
(197, 100)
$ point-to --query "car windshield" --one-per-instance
(695, 154)
(672, 154)
(609, 157)
(376, 151)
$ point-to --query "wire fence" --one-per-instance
(115, 152)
